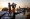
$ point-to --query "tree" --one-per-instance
(5, 9)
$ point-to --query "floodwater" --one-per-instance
(18, 16)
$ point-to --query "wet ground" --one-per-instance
(18, 16)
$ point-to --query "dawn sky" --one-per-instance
(21, 3)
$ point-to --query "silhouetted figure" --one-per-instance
(13, 6)
(24, 11)
(9, 9)
(28, 16)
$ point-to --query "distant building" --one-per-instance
(18, 10)
(28, 10)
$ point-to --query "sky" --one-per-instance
(21, 3)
